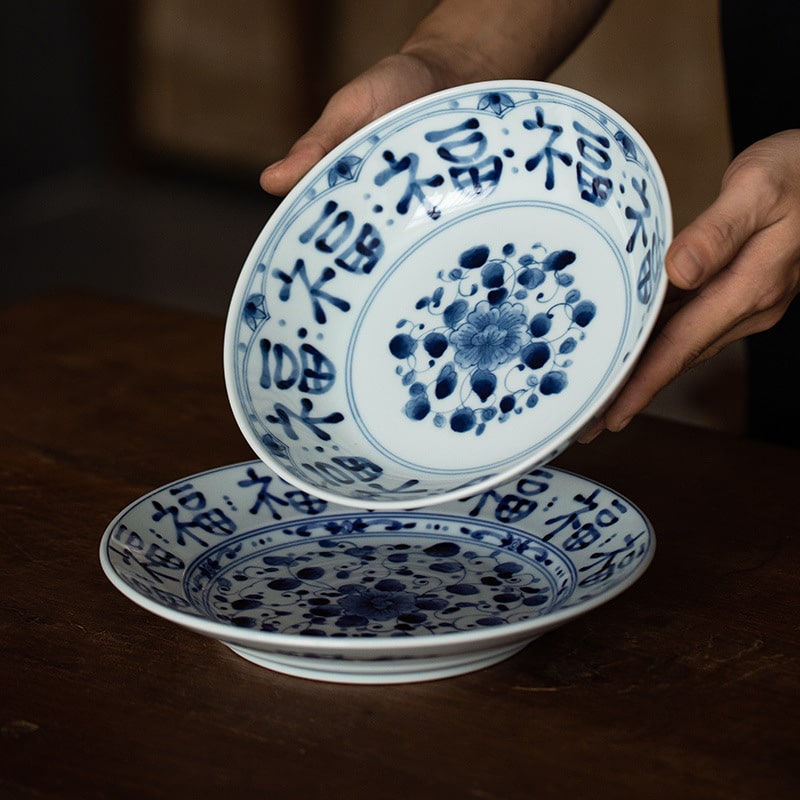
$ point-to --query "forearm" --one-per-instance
(470, 40)
(460, 41)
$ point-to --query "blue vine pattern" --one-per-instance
(240, 546)
(362, 581)
(480, 354)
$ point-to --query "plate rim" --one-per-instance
(379, 645)
(552, 447)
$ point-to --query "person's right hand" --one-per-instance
(393, 81)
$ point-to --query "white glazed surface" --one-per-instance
(450, 296)
(304, 587)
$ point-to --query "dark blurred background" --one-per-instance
(134, 132)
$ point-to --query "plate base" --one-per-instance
(406, 670)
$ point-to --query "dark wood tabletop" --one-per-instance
(685, 686)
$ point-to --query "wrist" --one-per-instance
(449, 63)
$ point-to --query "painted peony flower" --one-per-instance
(489, 336)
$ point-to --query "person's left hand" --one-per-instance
(738, 265)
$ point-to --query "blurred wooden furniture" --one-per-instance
(685, 686)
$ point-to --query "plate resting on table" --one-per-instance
(301, 586)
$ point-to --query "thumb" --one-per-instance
(279, 178)
(709, 243)
(345, 113)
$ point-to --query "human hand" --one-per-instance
(738, 266)
(393, 81)
(458, 42)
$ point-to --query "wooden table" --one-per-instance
(685, 686)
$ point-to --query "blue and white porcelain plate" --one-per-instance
(450, 296)
(302, 586)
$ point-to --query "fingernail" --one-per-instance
(591, 433)
(273, 165)
(686, 266)
(619, 426)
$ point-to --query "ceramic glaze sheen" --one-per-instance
(299, 585)
(450, 296)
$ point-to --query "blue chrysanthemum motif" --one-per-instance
(499, 102)
(388, 599)
(490, 336)
(493, 337)
(343, 170)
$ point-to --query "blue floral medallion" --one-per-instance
(416, 574)
(493, 336)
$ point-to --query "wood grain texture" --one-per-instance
(685, 686)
